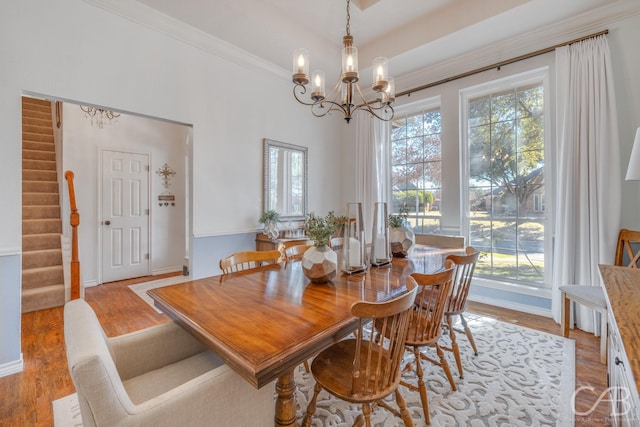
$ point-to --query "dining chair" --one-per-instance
(457, 304)
(245, 260)
(363, 369)
(160, 376)
(295, 253)
(628, 255)
(336, 243)
(440, 241)
(425, 328)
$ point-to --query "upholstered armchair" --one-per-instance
(159, 376)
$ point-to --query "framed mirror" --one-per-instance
(285, 179)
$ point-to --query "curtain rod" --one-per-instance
(500, 64)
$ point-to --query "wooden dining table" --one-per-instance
(266, 321)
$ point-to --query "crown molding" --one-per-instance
(575, 27)
(578, 26)
(151, 18)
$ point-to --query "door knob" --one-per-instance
(107, 223)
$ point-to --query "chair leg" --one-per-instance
(421, 386)
(311, 408)
(565, 314)
(454, 345)
(445, 366)
(306, 366)
(366, 410)
(404, 412)
(467, 332)
(603, 337)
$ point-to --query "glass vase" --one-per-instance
(380, 254)
(353, 253)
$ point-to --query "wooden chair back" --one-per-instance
(376, 367)
(246, 260)
(431, 301)
(465, 264)
(440, 241)
(295, 253)
(628, 249)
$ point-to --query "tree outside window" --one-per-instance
(416, 161)
(505, 132)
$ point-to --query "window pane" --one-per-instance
(416, 169)
(506, 212)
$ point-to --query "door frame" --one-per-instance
(99, 253)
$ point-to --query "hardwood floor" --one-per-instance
(25, 398)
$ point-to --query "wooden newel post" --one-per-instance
(74, 220)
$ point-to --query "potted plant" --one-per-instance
(401, 237)
(270, 220)
(320, 262)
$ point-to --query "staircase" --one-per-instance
(42, 272)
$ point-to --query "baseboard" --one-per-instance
(11, 368)
(176, 269)
(510, 305)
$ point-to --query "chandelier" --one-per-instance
(99, 115)
(341, 98)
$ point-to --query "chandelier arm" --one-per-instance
(372, 111)
(303, 90)
(371, 108)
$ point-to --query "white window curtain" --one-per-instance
(373, 165)
(588, 196)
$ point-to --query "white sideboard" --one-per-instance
(622, 285)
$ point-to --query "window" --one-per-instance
(416, 164)
(505, 156)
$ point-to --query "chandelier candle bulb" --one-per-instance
(380, 73)
(318, 85)
(389, 94)
(349, 61)
(300, 66)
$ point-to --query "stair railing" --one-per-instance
(74, 220)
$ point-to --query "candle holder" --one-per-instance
(380, 252)
(353, 253)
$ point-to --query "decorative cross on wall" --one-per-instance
(166, 173)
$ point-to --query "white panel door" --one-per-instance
(125, 215)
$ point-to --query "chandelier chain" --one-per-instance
(348, 19)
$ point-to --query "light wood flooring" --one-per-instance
(25, 398)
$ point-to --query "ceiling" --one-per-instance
(413, 34)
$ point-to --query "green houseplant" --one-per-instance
(320, 229)
(320, 262)
(270, 220)
(399, 219)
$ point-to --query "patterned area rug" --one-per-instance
(521, 377)
(141, 288)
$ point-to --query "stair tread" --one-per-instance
(42, 288)
(36, 270)
(33, 251)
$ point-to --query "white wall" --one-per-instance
(164, 142)
(72, 50)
